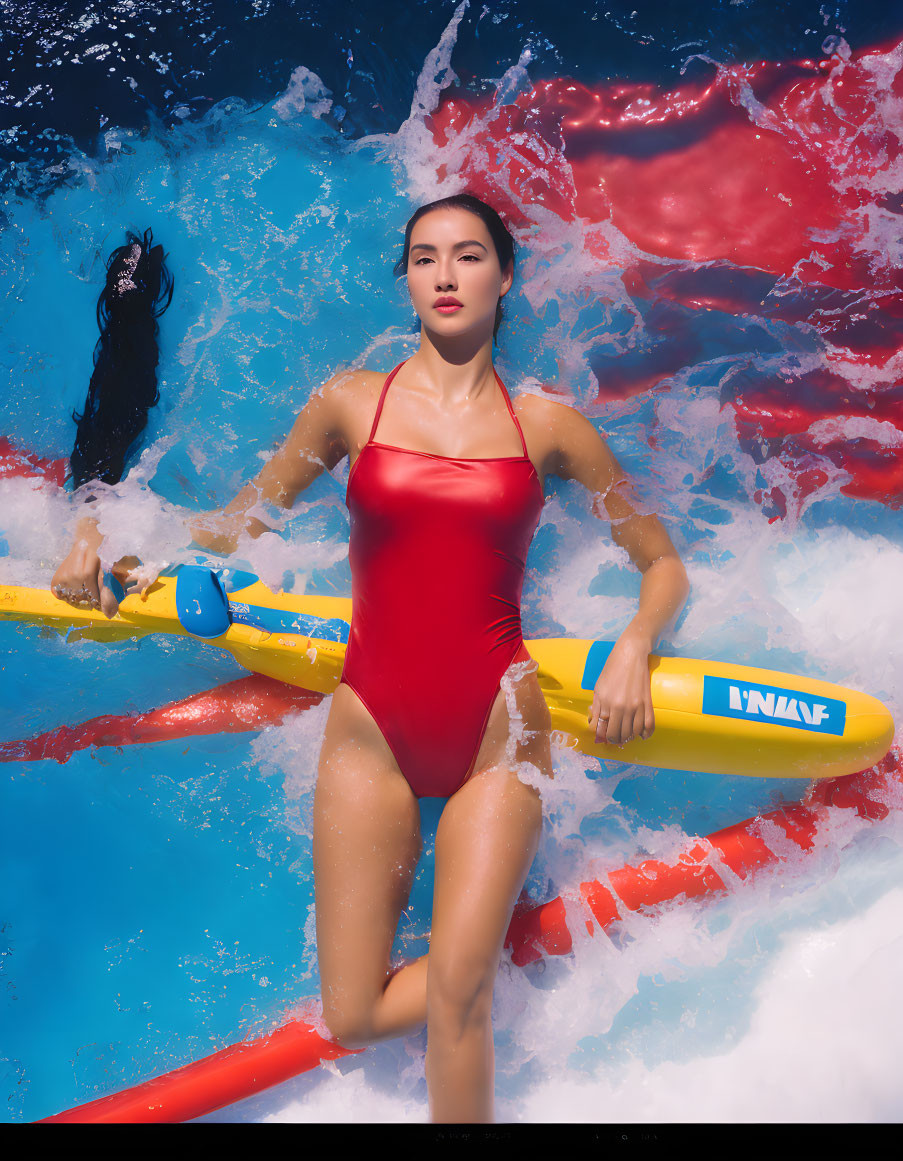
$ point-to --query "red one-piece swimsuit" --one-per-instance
(438, 548)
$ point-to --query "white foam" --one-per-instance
(822, 1044)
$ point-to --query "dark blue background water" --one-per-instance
(69, 70)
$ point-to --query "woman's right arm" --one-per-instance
(317, 441)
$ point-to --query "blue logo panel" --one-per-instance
(728, 698)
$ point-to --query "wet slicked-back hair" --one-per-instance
(498, 232)
(123, 386)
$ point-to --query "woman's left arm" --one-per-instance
(622, 699)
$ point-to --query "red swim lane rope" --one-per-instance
(700, 869)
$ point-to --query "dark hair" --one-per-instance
(498, 231)
(123, 386)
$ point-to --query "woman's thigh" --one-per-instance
(366, 843)
(487, 838)
(519, 727)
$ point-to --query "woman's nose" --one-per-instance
(445, 277)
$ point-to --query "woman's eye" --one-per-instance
(418, 261)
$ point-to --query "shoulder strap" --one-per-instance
(394, 372)
(523, 442)
(382, 397)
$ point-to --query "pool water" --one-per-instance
(157, 897)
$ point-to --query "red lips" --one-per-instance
(447, 301)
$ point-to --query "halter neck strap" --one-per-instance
(394, 372)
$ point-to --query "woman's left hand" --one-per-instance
(134, 576)
(621, 708)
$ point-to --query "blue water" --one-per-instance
(156, 899)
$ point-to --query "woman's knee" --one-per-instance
(459, 990)
(348, 1027)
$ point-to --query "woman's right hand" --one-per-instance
(79, 582)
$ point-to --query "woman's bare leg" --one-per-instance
(487, 838)
(366, 843)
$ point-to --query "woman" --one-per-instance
(443, 507)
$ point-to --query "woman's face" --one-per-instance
(452, 256)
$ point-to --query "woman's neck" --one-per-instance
(458, 371)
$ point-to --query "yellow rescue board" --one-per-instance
(710, 716)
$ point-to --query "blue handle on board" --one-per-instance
(204, 609)
(201, 602)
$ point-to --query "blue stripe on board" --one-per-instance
(598, 654)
